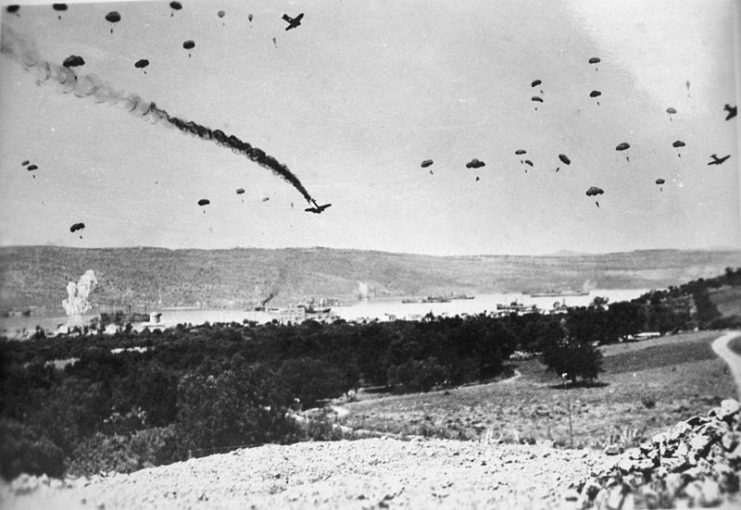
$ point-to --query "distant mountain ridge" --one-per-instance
(150, 278)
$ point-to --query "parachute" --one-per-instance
(221, 14)
(660, 181)
(594, 190)
(141, 64)
(520, 152)
(176, 6)
(536, 99)
(475, 163)
(31, 168)
(595, 93)
(240, 191)
(564, 159)
(25, 162)
(250, 18)
(528, 162)
(73, 61)
(59, 8)
(536, 83)
(622, 147)
(113, 17)
(189, 45)
(12, 8)
(595, 60)
(426, 163)
(204, 201)
(678, 144)
(671, 111)
(76, 226)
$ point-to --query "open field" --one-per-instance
(646, 386)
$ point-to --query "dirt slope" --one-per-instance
(369, 473)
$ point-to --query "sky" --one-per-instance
(353, 100)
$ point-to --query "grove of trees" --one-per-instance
(196, 390)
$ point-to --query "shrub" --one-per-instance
(237, 407)
(648, 402)
(417, 375)
(23, 450)
(125, 453)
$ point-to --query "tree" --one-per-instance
(573, 358)
(311, 380)
(240, 405)
(623, 320)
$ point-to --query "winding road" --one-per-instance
(721, 346)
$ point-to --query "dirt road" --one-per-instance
(722, 349)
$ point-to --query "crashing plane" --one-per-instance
(317, 209)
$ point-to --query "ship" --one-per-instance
(559, 293)
(436, 299)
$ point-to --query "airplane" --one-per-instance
(732, 111)
(317, 209)
(717, 160)
(293, 22)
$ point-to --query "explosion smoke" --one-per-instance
(77, 294)
(363, 291)
(88, 85)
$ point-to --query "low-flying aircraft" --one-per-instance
(732, 111)
(718, 161)
(317, 209)
(293, 22)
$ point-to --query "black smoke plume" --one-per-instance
(90, 85)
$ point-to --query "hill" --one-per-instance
(155, 277)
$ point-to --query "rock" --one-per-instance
(612, 449)
(649, 498)
(710, 493)
(694, 492)
(699, 444)
(728, 408)
(674, 482)
(730, 440)
(571, 495)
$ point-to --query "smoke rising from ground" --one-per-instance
(90, 85)
(77, 294)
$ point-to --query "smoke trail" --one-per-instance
(77, 294)
(90, 85)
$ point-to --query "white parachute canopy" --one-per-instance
(77, 294)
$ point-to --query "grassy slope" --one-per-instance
(680, 373)
(727, 300)
(36, 276)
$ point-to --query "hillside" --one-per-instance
(145, 277)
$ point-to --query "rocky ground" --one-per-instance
(696, 463)
(368, 473)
